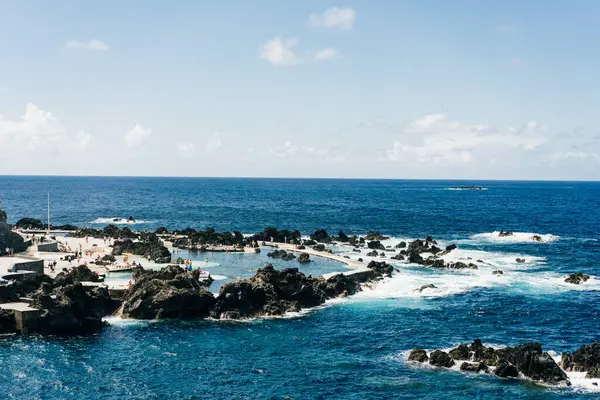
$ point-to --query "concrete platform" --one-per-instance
(23, 307)
(14, 267)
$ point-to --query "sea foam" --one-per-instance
(121, 221)
(516, 237)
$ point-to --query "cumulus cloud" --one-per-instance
(35, 130)
(136, 136)
(279, 52)
(333, 18)
(186, 149)
(327, 54)
(94, 45)
(291, 151)
(437, 139)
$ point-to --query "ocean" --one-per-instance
(353, 348)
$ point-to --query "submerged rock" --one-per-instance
(430, 286)
(382, 268)
(497, 272)
(577, 278)
(536, 238)
(505, 234)
(520, 260)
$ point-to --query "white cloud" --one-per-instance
(327, 54)
(306, 153)
(213, 144)
(35, 130)
(436, 139)
(94, 44)
(574, 155)
(333, 18)
(83, 140)
(279, 51)
(136, 136)
(186, 149)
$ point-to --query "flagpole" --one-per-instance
(48, 213)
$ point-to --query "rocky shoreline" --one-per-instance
(526, 361)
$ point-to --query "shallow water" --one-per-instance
(352, 348)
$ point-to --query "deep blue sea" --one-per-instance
(353, 348)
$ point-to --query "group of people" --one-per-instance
(8, 252)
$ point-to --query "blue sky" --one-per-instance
(386, 89)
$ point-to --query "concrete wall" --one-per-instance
(51, 246)
(33, 265)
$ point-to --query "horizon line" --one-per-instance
(295, 178)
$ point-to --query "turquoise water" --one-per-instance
(350, 349)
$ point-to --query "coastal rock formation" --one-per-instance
(505, 234)
(70, 310)
(304, 258)
(281, 255)
(171, 292)
(382, 268)
(520, 260)
(342, 237)
(577, 278)
(7, 321)
(375, 244)
(418, 355)
(321, 236)
(451, 247)
(585, 359)
(273, 292)
(149, 247)
(3, 217)
(527, 359)
(279, 236)
(375, 236)
(80, 273)
(401, 245)
(536, 238)
(11, 240)
(440, 358)
(30, 223)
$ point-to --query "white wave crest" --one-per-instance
(516, 237)
(117, 221)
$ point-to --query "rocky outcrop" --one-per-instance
(401, 245)
(281, 255)
(273, 292)
(279, 236)
(7, 321)
(536, 238)
(10, 239)
(169, 293)
(375, 244)
(440, 358)
(418, 355)
(78, 274)
(375, 236)
(70, 310)
(577, 278)
(520, 260)
(30, 223)
(3, 217)
(304, 258)
(342, 237)
(505, 234)
(585, 359)
(382, 268)
(149, 247)
(321, 236)
(527, 359)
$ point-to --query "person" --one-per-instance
(7, 251)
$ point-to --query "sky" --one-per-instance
(359, 89)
